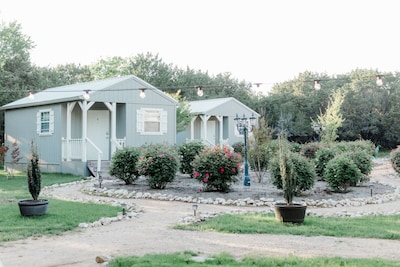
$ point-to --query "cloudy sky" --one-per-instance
(260, 41)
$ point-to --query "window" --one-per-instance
(151, 121)
(45, 122)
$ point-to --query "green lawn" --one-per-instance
(382, 227)
(226, 260)
(61, 215)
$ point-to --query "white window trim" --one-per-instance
(39, 122)
(140, 121)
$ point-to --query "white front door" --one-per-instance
(211, 132)
(98, 130)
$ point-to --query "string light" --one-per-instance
(379, 80)
(199, 91)
(31, 96)
(142, 93)
(86, 95)
(317, 85)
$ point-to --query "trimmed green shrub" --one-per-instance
(395, 159)
(304, 172)
(159, 163)
(123, 164)
(322, 157)
(363, 161)
(309, 150)
(238, 147)
(187, 152)
(341, 172)
(33, 173)
(217, 168)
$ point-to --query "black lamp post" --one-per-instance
(243, 126)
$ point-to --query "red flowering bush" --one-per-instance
(216, 168)
(159, 163)
(395, 159)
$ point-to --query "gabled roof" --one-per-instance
(75, 92)
(208, 105)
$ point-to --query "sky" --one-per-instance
(260, 41)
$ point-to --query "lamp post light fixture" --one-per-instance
(244, 125)
(194, 207)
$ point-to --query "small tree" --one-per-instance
(188, 152)
(15, 157)
(33, 173)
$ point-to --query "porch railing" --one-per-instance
(71, 149)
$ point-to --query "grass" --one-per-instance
(381, 227)
(225, 260)
(61, 215)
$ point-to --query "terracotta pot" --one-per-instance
(29, 207)
(293, 213)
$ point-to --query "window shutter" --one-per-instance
(139, 121)
(164, 121)
(38, 122)
(51, 123)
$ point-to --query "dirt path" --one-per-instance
(151, 232)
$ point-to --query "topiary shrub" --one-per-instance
(187, 152)
(123, 164)
(363, 161)
(395, 159)
(33, 173)
(216, 168)
(309, 150)
(322, 157)
(159, 163)
(341, 172)
(304, 172)
(238, 147)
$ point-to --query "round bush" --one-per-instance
(188, 151)
(123, 164)
(322, 157)
(216, 168)
(304, 170)
(341, 172)
(159, 163)
(395, 159)
(363, 161)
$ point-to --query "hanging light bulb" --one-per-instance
(86, 95)
(317, 85)
(379, 80)
(31, 96)
(142, 94)
(199, 91)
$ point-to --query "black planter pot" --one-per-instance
(29, 207)
(293, 213)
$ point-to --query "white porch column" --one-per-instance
(220, 122)
(85, 106)
(192, 128)
(70, 107)
(113, 109)
(204, 119)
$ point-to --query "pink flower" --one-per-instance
(196, 174)
(207, 174)
(233, 169)
(205, 180)
(222, 170)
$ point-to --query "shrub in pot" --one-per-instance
(34, 206)
(289, 177)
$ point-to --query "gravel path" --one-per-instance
(151, 232)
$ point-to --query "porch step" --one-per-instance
(105, 166)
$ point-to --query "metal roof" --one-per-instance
(75, 92)
(208, 105)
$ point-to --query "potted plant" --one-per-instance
(34, 206)
(288, 211)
